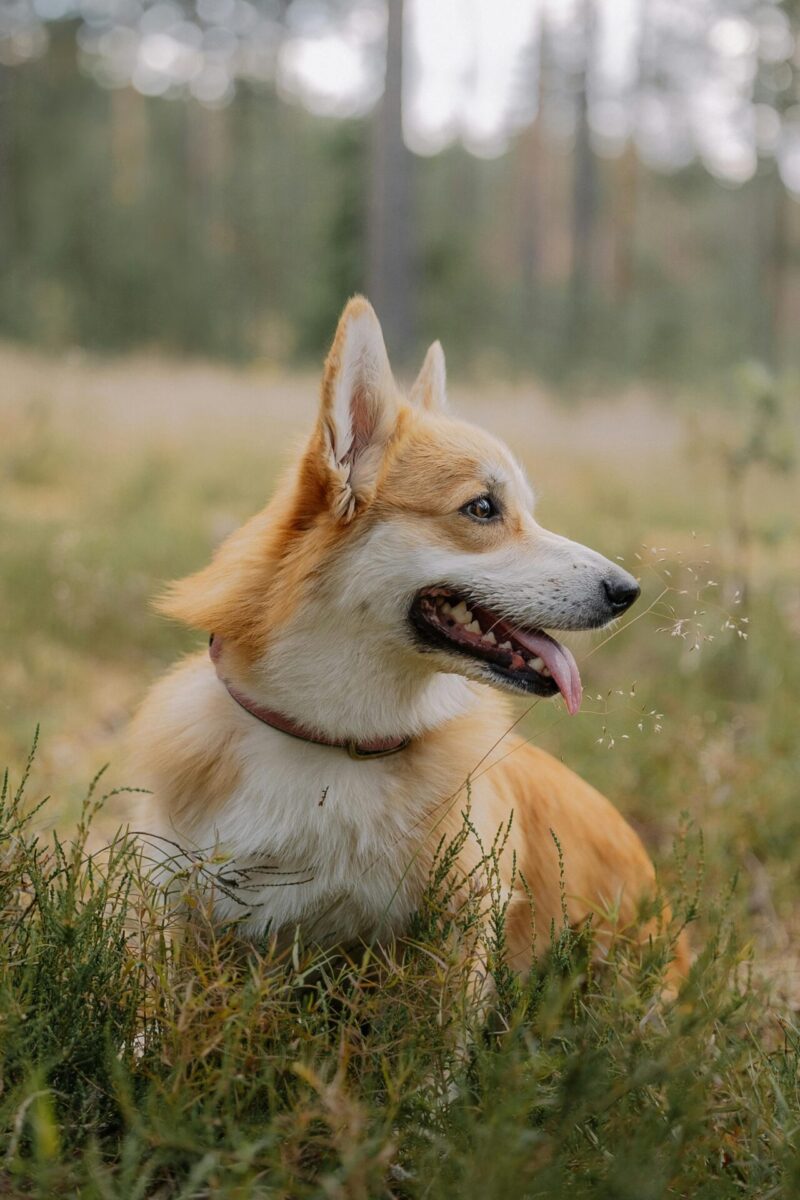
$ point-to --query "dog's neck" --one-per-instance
(340, 691)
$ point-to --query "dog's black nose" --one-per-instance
(621, 591)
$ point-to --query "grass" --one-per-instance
(139, 1064)
(136, 1064)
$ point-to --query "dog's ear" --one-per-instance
(430, 388)
(359, 406)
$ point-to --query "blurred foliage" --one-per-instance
(239, 231)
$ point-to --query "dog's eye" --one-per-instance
(482, 508)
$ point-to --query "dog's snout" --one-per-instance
(621, 590)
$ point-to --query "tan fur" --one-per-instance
(201, 773)
(429, 388)
(196, 746)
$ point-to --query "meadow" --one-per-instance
(133, 1064)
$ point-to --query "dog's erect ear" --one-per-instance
(430, 388)
(359, 405)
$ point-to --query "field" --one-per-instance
(135, 1067)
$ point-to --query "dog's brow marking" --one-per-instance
(515, 480)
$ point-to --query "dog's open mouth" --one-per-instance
(528, 660)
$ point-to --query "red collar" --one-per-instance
(375, 748)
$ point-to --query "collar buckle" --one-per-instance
(357, 752)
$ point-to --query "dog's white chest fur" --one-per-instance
(308, 836)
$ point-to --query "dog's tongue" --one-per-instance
(559, 661)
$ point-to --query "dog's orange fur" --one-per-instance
(192, 741)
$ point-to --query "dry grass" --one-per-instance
(118, 476)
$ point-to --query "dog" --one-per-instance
(349, 711)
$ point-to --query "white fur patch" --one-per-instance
(307, 837)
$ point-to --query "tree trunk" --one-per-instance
(624, 218)
(584, 199)
(128, 145)
(769, 244)
(532, 155)
(5, 158)
(775, 283)
(390, 274)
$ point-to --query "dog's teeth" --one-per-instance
(447, 609)
(473, 627)
(504, 646)
(536, 664)
(490, 638)
(461, 613)
(545, 671)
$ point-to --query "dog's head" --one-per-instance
(403, 549)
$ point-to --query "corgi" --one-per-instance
(364, 627)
